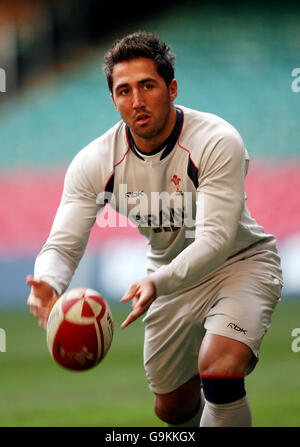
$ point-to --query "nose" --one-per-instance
(137, 99)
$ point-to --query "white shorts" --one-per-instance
(236, 302)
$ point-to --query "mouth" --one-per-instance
(142, 119)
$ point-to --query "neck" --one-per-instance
(149, 145)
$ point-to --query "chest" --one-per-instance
(155, 193)
(137, 179)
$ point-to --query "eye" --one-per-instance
(124, 92)
(148, 86)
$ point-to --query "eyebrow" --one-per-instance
(143, 81)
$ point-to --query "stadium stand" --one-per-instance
(236, 63)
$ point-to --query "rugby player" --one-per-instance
(213, 275)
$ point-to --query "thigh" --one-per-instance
(244, 305)
(223, 356)
(173, 336)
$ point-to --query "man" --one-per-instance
(215, 267)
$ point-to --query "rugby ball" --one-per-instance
(80, 329)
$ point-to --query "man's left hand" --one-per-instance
(143, 294)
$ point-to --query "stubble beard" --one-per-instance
(148, 134)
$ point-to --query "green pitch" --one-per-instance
(36, 392)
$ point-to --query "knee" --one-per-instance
(174, 413)
(222, 366)
(167, 412)
(226, 365)
(222, 381)
(179, 405)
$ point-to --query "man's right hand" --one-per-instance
(41, 299)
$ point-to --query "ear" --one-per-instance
(173, 88)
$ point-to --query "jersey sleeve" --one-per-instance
(76, 214)
(219, 205)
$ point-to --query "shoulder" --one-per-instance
(204, 133)
(207, 126)
(93, 164)
(103, 149)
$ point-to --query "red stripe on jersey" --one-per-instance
(216, 376)
(181, 147)
(108, 180)
(128, 149)
(189, 152)
(119, 162)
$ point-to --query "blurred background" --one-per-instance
(239, 60)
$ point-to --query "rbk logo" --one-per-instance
(134, 194)
(237, 328)
(176, 180)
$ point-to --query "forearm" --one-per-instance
(188, 268)
(59, 257)
(65, 246)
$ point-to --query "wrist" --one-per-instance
(162, 281)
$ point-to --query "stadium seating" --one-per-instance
(241, 72)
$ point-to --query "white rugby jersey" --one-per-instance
(187, 198)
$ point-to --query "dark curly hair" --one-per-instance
(140, 44)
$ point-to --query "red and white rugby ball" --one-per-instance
(80, 329)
